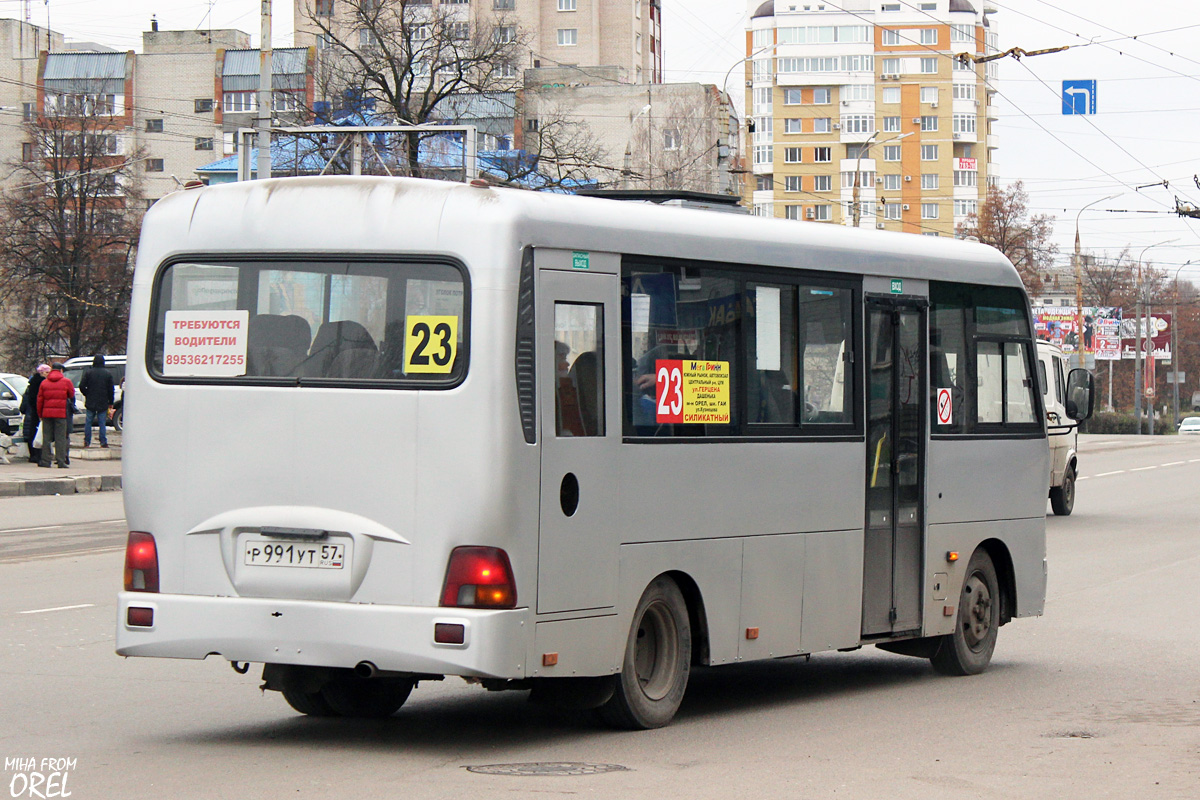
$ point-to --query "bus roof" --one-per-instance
(343, 214)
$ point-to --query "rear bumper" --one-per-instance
(326, 634)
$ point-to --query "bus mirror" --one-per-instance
(1081, 394)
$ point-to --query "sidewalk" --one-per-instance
(90, 470)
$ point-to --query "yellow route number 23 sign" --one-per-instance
(430, 344)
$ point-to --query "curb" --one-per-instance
(80, 484)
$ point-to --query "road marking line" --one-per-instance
(58, 608)
(1083, 477)
(1143, 469)
(1194, 460)
(1174, 463)
(40, 528)
(1103, 474)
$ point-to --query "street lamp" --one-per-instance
(1079, 282)
(864, 147)
(1176, 356)
(1138, 354)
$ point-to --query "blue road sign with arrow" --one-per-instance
(1079, 97)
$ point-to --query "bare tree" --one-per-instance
(1108, 282)
(1004, 222)
(560, 152)
(407, 58)
(675, 145)
(68, 228)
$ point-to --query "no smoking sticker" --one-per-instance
(945, 406)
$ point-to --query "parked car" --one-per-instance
(1190, 425)
(12, 388)
(76, 367)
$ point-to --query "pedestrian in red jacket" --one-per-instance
(54, 407)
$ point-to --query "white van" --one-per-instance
(1063, 431)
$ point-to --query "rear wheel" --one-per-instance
(118, 418)
(968, 650)
(658, 655)
(309, 703)
(369, 698)
(1062, 498)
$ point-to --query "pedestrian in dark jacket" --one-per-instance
(54, 407)
(29, 409)
(98, 393)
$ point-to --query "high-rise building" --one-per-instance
(870, 97)
(579, 33)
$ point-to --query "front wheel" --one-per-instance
(658, 656)
(968, 650)
(1062, 498)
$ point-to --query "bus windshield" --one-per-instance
(310, 322)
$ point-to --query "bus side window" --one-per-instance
(578, 369)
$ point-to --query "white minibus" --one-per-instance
(569, 445)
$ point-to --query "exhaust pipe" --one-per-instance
(365, 669)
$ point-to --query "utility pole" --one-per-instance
(265, 93)
(1176, 356)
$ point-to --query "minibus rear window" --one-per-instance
(310, 322)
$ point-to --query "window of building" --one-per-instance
(792, 155)
(891, 94)
(929, 152)
(929, 180)
(760, 69)
(566, 5)
(964, 123)
(822, 96)
(966, 177)
(154, 165)
(460, 30)
(154, 126)
(891, 66)
(28, 151)
(821, 125)
(891, 152)
(763, 154)
(891, 124)
(891, 183)
(504, 34)
(324, 8)
(637, 42)
(766, 209)
(929, 94)
(964, 91)
(963, 208)
(763, 129)
(822, 155)
(793, 126)
(235, 102)
(891, 38)
(568, 37)
(791, 97)
(929, 36)
(203, 105)
(504, 4)
(823, 213)
(962, 33)
(764, 183)
(793, 212)
(929, 210)
(865, 178)
(929, 123)
(366, 37)
(792, 183)
(963, 66)
(927, 6)
(81, 105)
(672, 139)
(764, 100)
(858, 91)
(324, 41)
(822, 183)
(504, 69)
(889, 7)
(858, 123)
(204, 143)
(892, 211)
(781, 344)
(929, 66)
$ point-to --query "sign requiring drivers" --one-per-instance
(1079, 97)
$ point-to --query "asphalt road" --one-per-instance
(1100, 698)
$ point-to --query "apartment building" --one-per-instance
(21, 45)
(873, 93)
(554, 33)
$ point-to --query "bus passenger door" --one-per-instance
(576, 375)
(896, 411)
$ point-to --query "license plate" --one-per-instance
(311, 555)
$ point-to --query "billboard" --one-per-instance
(1160, 335)
(1101, 336)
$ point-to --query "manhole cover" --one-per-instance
(547, 768)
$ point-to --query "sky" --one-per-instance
(1146, 129)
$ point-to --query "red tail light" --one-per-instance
(141, 563)
(479, 577)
